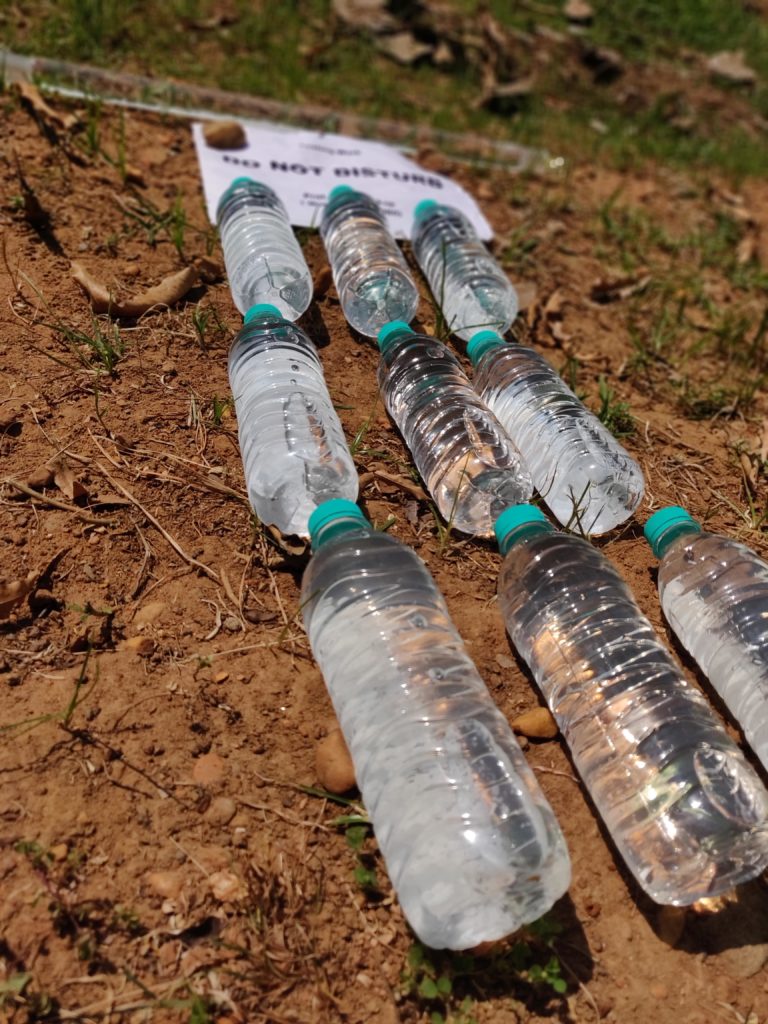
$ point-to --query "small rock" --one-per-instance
(221, 811)
(168, 369)
(226, 886)
(505, 661)
(232, 624)
(141, 645)
(221, 677)
(59, 851)
(333, 764)
(208, 770)
(149, 612)
(224, 135)
(658, 991)
(537, 723)
(167, 884)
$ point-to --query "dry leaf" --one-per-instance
(371, 15)
(729, 64)
(40, 478)
(167, 293)
(66, 481)
(578, 11)
(224, 135)
(13, 593)
(403, 47)
(611, 289)
(30, 97)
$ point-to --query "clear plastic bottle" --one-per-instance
(471, 845)
(294, 452)
(263, 258)
(469, 285)
(369, 271)
(685, 809)
(714, 592)
(469, 465)
(578, 467)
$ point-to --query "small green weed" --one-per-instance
(201, 318)
(357, 831)
(103, 346)
(220, 407)
(614, 414)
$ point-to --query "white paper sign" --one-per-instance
(303, 167)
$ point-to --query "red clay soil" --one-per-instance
(160, 860)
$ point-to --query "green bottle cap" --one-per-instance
(262, 309)
(480, 343)
(424, 208)
(666, 524)
(338, 196)
(391, 331)
(515, 523)
(326, 518)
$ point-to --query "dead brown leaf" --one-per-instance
(170, 290)
(404, 48)
(31, 98)
(370, 15)
(13, 593)
(613, 289)
(730, 65)
(65, 479)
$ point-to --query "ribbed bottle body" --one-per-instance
(714, 592)
(471, 288)
(263, 258)
(470, 843)
(292, 443)
(469, 465)
(578, 467)
(370, 274)
(683, 806)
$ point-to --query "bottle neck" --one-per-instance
(337, 528)
(673, 534)
(526, 531)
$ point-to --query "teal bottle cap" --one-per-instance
(479, 344)
(424, 208)
(340, 191)
(338, 196)
(394, 329)
(331, 512)
(665, 524)
(239, 182)
(513, 524)
(262, 309)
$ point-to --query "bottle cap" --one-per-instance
(666, 524)
(331, 512)
(514, 523)
(479, 344)
(424, 208)
(394, 329)
(338, 196)
(262, 309)
(239, 182)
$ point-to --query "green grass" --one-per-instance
(299, 52)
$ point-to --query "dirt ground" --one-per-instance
(161, 856)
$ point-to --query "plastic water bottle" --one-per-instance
(263, 258)
(714, 592)
(369, 271)
(578, 467)
(466, 281)
(292, 443)
(685, 809)
(471, 845)
(467, 462)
